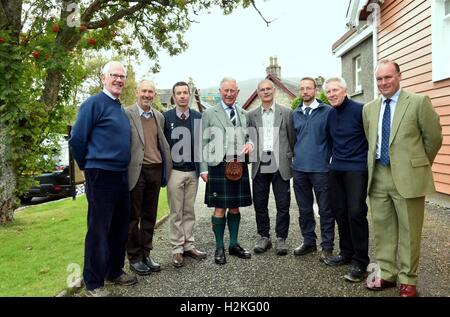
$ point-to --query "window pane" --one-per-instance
(357, 74)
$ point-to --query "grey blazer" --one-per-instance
(216, 136)
(138, 144)
(284, 140)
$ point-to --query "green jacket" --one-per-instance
(415, 139)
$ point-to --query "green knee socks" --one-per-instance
(233, 227)
(218, 225)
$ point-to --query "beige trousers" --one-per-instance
(397, 228)
(181, 192)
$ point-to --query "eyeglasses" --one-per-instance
(117, 76)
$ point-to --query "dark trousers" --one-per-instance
(348, 200)
(108, 216)
(144, 207)
(304, 184)
(281, 190)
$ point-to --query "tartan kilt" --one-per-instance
(223, 193)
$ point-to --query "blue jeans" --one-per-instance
(304, 184)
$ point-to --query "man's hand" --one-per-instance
(204, 176)
(248, 148)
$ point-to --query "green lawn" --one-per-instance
(37, 247)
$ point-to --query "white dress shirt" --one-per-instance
(268, 118)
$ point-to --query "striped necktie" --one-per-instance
(232, 116)
(385, 134)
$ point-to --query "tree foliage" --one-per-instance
(42, 44)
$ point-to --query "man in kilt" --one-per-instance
(225, 138)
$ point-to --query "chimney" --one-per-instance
(191, 83)
(274, 68)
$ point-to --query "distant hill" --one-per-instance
(247, 87)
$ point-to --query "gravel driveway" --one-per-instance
(287, 276)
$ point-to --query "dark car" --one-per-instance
(55, 183)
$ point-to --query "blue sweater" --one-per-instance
(101, 136)
(312, 148)
(349, 144)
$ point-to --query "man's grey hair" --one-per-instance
(227, 79)
(106, 69)
(151, 82)
(265, 81)
(341, 81)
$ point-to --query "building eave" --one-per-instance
(353, 40)
(356, 6)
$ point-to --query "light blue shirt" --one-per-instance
(392, 104)
(179, 113)
(145, 114)
(228, 108)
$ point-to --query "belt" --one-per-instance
(151, 165)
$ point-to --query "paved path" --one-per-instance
(287, 276)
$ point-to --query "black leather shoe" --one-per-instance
(155, 267)
(304, 249)
(337, 260)
(325, 253)
(219, 256)
(240, 252)
(356, 274)
(140, 268)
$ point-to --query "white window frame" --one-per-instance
(357, 71)
(440, 32)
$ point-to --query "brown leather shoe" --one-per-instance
(177, 260)
(123, 279)
(379, 284)
(196, 254)
(408, 290)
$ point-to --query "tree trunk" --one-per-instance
(7, 182)
(51, 89)
(9, 20)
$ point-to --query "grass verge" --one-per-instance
(40, 244)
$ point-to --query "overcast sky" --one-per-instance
(239, 45)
